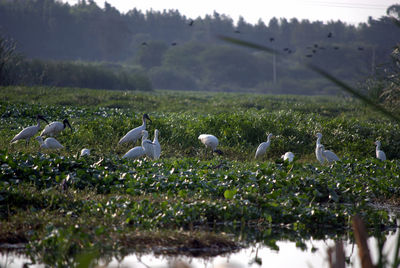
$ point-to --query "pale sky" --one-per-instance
(350, 11)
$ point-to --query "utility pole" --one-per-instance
(274, 67)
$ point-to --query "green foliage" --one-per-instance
(384, 87)
(69, 205)
(8, 59)
(77, 74)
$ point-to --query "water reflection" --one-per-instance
(257, 256)
(288, 256)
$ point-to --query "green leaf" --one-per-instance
(229, 194)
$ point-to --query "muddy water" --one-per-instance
(255, 257)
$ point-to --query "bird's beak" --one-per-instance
(147, 117)
(69, 125)
(42, 118)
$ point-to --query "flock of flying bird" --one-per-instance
(152, 149)
(311, 50)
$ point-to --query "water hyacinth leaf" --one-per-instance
(229, 194)
(333, 195)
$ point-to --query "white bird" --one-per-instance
(147, 145)
(49, 143)
(85, 151)
(327, 155)
(134, 153)
(29, 132)
(289, 156)
(134, 134)
(318, 153)
(322, 154)
(262, 148)
(379, 153)
(54, 128)
(319, 137)
(210, 141)
(157, 146)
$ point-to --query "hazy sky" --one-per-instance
(350, 11)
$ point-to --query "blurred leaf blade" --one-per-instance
(247, 44)
(321, 72)
(354, 92)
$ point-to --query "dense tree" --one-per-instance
(180, 54)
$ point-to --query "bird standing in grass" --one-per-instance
(157, 146)
(289, 156)
(262, 148)
(379, 153)
(134, 153)
(54, 128)
(146, 148)
(147, 145)
(29, 132)
(322, 154)
(327, 155)
(210, 141)
(49, 143)
(85, 151)
(134, 134)
(318, 153)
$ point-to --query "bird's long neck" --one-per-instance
(320, 152)
(378, 147)
(319, 140)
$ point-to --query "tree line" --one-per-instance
(176, 52)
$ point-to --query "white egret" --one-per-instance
(327, 155)
(134, 134)
(134, 153)
(262, 148)
(54, 128)
(210, 141)
(318, 153)
(319, 137)
(157, 146)
(85, 151)
(289, 156)
(49, 143)
(379, 153)
(147, 145)
(29, 132)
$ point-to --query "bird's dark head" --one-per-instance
(66, 123)
(41, 117)
(146, 116)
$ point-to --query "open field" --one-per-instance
(112, 206)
